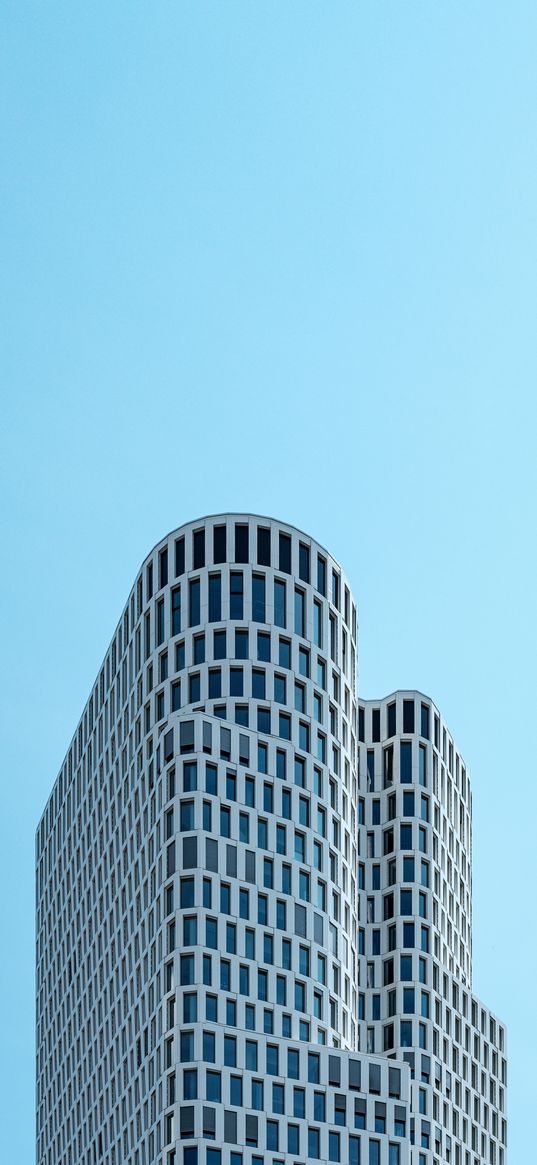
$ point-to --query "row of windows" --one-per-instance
(263, 556)
(206, 1084)
(293, 1145)
(405, 719)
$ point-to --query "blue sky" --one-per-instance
(279, 258)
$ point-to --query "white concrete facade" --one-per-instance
(234, 963)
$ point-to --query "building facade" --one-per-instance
(254, 890)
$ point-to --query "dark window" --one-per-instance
(321, 575)
(406, 762)
(408, 715)
(163, 568)
(263, 546)
(391, 720)
(375, 725)
(304, 562)
(236, 595)
(198, 554)
(241, 543)
(179, 556)
(263, 647)
(258, 598)
(176, 611)
(279, 603)
(215, 598)
(219, 645)
(219, 544)
(425, 721)
(241, 645)
(194, 601)
(284, 560)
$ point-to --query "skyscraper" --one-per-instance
(254, 890)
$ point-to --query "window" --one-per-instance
(279, 603)
(284, 558)
(405, 760)
(317, 624)
(236, 595)
(408, 716)
(263, 546)
(179, 556)
(215, 598)
(300, 612)
(213, 1085)
(241, 542)
(313, 1143)
(194, 601)
(219, 544)
(176, 611)
(258, 599)
(241, 644)
(263, 647)
(334, 1146)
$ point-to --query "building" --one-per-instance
(254, 891)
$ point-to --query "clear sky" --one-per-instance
(277, 257)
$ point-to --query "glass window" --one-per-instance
(263, 647)
(176, 611)
(236, 595)
(215, 598)
(241, 645)
(258, 599)
(300, 612)
(284, 560)
(263, 546)
(219, 650)
(241, 542)
(304, 562)
(406, 762)
(194, 601)
(219, 544)
(279, 603)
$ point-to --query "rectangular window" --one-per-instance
(219, 544)
(317, 624)
(300, 613)
(179, 556)
(279, 603)
(258, 599)
(284, 561)
(198, 549)
(176, 610)
(304, 562)
(194, 601)
(219, 647)
(263, 647)
(236, 595)
(263, 546)
(241, 543)
(241, 645)
(215, 598)
(406, 762)
(408, 716)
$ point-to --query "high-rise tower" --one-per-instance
(253, 894)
